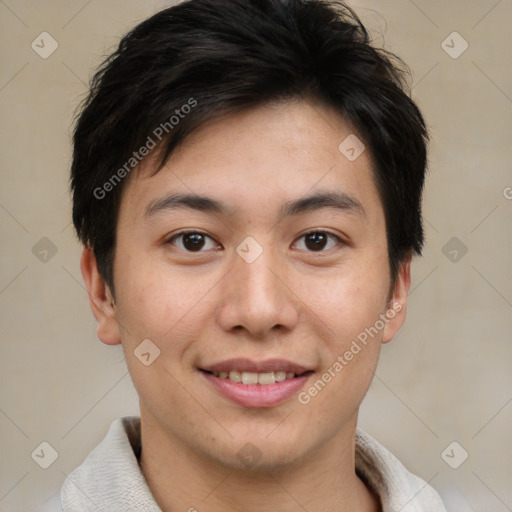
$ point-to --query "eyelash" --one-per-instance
(170, 241)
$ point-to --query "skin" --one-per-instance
(292, 303)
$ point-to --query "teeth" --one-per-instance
(255, 378)
(280, 376)
(266, 378)
(249, 378)
(235, 376)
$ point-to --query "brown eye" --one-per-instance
(193, 241)
(318, 241)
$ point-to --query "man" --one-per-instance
(247, 179)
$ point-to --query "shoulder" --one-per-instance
(397, 488)
(110, 477)
(52, 504)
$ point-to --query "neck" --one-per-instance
(181, 479)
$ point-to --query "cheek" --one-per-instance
(349, 330)
(347, 311)
(167, 305)
(348, 303)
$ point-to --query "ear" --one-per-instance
(100, 299)
(397, 305)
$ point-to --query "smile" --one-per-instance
(248, 378)
(256, 384)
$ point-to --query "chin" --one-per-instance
(266, 449)
(251, 458)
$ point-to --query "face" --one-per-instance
(259, 249)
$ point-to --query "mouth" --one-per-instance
(257, 384)
(253, 378)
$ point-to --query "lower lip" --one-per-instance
(256, 395)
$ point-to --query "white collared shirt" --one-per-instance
(110, 479)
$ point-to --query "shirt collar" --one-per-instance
(111, 479)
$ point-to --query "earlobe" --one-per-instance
(100, 299)
(397, 307)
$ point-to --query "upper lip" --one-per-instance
(247, 365)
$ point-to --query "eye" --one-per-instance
(317, 241)
(193, 241)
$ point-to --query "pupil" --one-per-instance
(193, 242)
(316, 241)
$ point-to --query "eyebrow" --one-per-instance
(313, 202)
(338, 200)
(190, 201)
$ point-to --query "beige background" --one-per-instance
(446, 377)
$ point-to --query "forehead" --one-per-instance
(258, 157)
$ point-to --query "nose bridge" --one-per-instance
(258, 284)
(257, 299)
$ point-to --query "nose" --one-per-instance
(257, 298)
